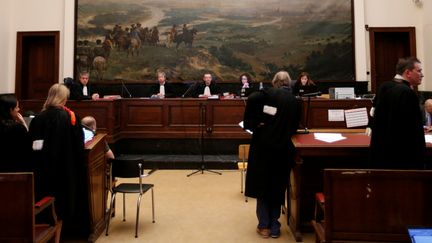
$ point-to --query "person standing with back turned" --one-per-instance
(273, 117)
(398, 140)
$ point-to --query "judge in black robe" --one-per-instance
(398, 140)
(273, 117)
(77, 89)
(167, 87)
(58, 144)
(207, 82)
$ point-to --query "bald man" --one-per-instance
(428, 114)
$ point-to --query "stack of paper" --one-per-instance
(329, 137)
(428, 138)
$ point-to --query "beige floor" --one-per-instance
(201, 208)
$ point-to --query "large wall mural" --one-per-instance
(132, 39)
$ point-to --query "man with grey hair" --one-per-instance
(273, 116)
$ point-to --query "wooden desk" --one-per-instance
(180, 118)
(96, 181)
(307, 175)
(312, 157)
(318, 111)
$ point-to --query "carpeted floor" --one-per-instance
(201, 208)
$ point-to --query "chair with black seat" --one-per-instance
(18, 211)
(129, 169)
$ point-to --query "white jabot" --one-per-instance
(85, 91)
(162, 90)
(207, 91)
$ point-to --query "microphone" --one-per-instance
(126, 89)
(309, 95)
(312, 94)
(189, 89)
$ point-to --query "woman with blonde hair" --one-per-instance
(58, 152)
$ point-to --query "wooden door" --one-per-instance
(37, 63)
(387, 45)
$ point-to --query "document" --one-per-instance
(336, 115)
(428, 138)
(329, 137)
(356, 117)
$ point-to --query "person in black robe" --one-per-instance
(246, 85)
(304, 85)
(273, 117)
(207, 88)
(15, 141)
(60, 169)
(397, 140)
(83, 90)
(162, 89)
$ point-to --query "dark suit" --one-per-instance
(214, 89)
(169, 93)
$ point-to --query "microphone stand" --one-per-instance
(189, 89)
(126, 89)
(201, 142)
(306, 130)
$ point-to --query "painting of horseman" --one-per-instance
(260, 37)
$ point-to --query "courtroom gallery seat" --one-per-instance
(18, 211)
(129, 169)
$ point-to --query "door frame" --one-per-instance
(373, 31)
(21, 35)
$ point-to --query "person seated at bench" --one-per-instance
(89, 123)
(208, 87)
(83, 90)
(162, 89)
(15, 141)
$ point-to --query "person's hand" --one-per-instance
(368, 131)
(95, 96)
(20, 119)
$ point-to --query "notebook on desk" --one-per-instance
(420, 234)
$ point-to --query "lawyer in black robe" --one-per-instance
(273, 117)
(60, 166)
(272, 151)
(398, 140)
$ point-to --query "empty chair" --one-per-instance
(243, 156)
(18, 211)
(128, 169)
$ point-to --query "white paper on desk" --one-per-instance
(356, 117)
(242, 126)
(329, 137)
(428, 138)
(336, 115)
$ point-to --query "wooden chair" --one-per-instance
(129, 169)
(373, 205)
(18, 211)
(243, 156)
